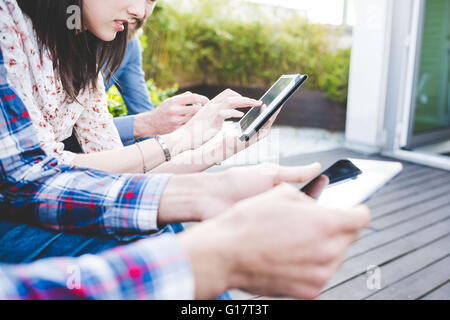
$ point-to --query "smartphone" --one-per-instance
(339, 172)
(273, 100)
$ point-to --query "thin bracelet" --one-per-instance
(164, 147)
(143, 158)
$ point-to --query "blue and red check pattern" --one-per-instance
(35, 189)
(148, 269)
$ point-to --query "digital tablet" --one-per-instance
(273, 100)
(374, 175)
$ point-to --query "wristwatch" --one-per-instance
(164, 147)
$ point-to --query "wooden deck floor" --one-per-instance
(408, 239)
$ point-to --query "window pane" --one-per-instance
(433, 109)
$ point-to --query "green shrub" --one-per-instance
(206, 45)
(334, 80)
(116, 104)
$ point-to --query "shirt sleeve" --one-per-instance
(35, 189)
(95, 129)
(125, 126)
(154, 268)
(130, 81)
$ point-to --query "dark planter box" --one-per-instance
(307, 108)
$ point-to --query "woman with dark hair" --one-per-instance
(57, 71)
(143, 119)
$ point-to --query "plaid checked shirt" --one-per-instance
(35, 189)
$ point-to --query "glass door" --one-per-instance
(430, 119)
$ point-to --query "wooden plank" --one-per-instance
(366, 232)
(404, 180)
(440, 293)
(378, 239)
(412, 186)
(326, 158)
(417, 284)
(384, 254)
(331, 156)
(413, 200)
(428, 184)
(412, 173)
(409, 213)
(392, 272)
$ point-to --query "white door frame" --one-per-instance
(369, 71)
(382, 76)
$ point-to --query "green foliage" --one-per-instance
(117, 106)
(158, 95)
(206, 45)
(334, 80)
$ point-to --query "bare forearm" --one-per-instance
(130, 159)
(145, 126)
(201, 159)
(186, 197)
(187, 162)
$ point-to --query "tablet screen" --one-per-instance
(267, 100)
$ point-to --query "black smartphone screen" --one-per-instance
(340, 171)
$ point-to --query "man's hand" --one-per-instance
(280, 243)
(172, 114)
(240, 183)
(199, 197)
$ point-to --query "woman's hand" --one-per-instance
(229, 143)
(208, 121)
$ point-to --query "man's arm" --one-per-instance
(168, 117)
(153, 268)
(242, 249)
(125, 126)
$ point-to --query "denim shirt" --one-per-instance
(130, 80)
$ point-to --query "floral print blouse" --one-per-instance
(40, 88)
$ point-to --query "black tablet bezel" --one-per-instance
(299, 81)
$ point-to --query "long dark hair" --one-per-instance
(78, 56)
